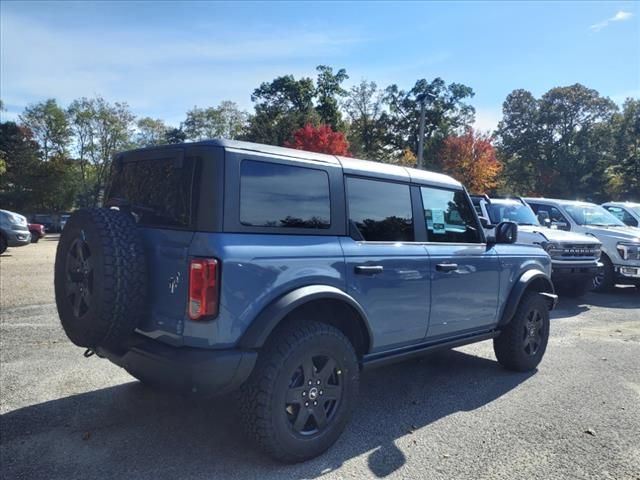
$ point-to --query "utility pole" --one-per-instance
(423, 107)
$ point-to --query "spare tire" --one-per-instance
(100, 278)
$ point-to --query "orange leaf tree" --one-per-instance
(471, 159)
(319, 139)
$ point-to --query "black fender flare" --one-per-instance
(521, 285)
(256, 335)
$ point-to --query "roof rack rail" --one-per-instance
(484, 197)
(510, 197)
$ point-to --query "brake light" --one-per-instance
(203, 288)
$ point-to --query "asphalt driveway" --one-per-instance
(454, 414)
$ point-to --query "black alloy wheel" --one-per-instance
(532, 332)
(79, 283)
(314, 394)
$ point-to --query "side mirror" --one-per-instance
(507, 232)
(486, 223)
(543, 218)
(560, 226)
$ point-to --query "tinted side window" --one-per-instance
(553, 212)
(277, 195)
(622, 215)
(160, 192)
(449, 216)
(381, 211)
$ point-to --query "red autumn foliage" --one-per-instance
(319, 139)
(471, 159)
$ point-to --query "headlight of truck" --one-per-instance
(553, 249)
(629, 250)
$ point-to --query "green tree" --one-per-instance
(175, 135)
(49, 125)
(558, 145)
(574, 121)
(21, 155)
(364, 110)
(100, 129)
(282, 106)
(446, 113)
(328, 92)
(624, 181)
(519, 143)
(150, 132)
(30, 184)
(224, 121)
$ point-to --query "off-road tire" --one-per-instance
(102, 249)
(262, 404)
(510, 346)
(606, 276)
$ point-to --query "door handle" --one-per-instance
(368, 269)
(446, 267)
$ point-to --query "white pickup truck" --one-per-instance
(620, 243)
(574, 256)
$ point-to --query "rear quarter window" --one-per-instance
(283, 196)
(160, 191)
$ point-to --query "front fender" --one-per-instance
(535, 279)
(256, 335)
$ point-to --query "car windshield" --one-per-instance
(592, 215)
(511, 212)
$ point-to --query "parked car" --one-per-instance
(620, 243)
(627, 212)
(280, 273)
(13, 230)
(574, 256)
(37, 231)
(46, 220)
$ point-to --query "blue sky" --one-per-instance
(165, 57)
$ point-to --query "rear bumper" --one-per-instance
(195, 370)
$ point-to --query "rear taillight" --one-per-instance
(203, 288)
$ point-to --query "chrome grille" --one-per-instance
(579, 250)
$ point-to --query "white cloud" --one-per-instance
(159, 75)
(621, 16)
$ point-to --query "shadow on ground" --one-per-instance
(620, 297)
(130, 430)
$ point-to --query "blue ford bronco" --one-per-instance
(281, 274)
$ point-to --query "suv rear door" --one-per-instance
(465, 271)
(159, 186)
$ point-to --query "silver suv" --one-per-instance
(14, 231)
(574, 256)
(620, 243)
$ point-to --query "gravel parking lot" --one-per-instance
(455, 414)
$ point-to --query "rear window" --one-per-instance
(283, 196)
(160, 191)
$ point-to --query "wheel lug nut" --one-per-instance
(318, 382)
(306, 404)
(315, 404)
(304, 394)
(321, 393)
(310, 382)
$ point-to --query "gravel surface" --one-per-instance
(454, 414)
